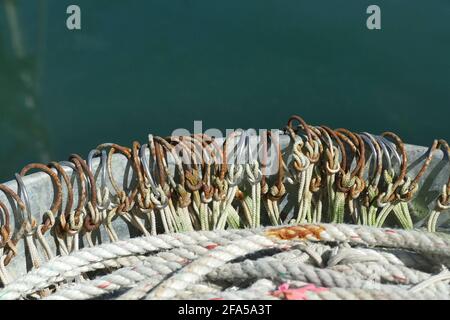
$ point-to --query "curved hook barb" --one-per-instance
(68, 164)
(392, 148)
(328, 141)
(23, 189)
(146, 166)
(385, 151)
(152, 148)
(367, 137)
(241, 147)
(237, 165)
(72, 166)
(104, 172)
(103, 163)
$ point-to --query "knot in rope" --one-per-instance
(6, 235)
(185, 197)
(443, 202)
(301, 162)
(253, 172)
(11, 249)
(384, 198)
(49, 221)
(193, 182)
(103, 199)
(124, 203)
(92, 217)
(277, 192)
(265, 187)
(372, 192)
(357, 187)
(235, 175)
(75, 222)
(145, 203)
(50, 216)
(159, 198)
(315, 184)
(407, 191)
(389, 175)
(313, 151)
(221, 188)
(332, 165)
(346, 182)
(207, 194)
(29, 227)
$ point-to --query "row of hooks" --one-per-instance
(194, 183)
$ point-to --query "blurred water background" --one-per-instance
(141, 66)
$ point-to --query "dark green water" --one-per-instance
(141, 66)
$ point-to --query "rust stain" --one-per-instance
(296, 232)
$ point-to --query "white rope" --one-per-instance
(201, 262)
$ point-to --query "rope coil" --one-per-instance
(337, 176)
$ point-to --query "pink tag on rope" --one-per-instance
(296, 293)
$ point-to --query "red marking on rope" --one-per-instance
(355, 237)
(104, 285)
(211, 246)
(400, 278)
(296, 293)
(390, 231)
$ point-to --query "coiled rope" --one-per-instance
(179, 261)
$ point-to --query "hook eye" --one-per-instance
(72, 166)
(145, 165)
(367, 138)
(329, 142)
(22, 189)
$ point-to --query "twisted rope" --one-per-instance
(194, 257)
